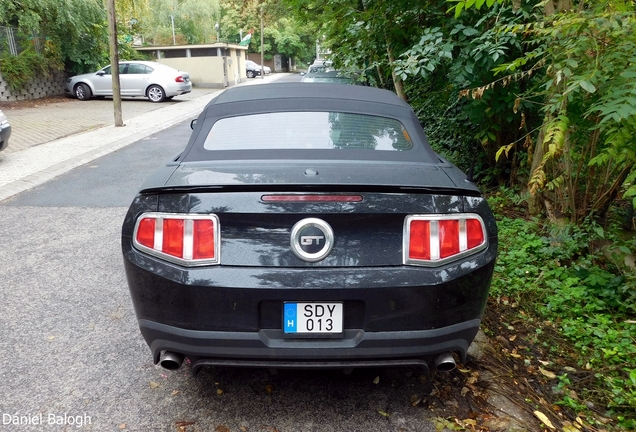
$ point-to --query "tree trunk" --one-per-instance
(397, 81)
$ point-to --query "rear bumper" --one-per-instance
(179, 89)
(268, 347)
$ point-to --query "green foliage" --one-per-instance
(73, 32)
(558, 275)
(29, 64)
(462, 54)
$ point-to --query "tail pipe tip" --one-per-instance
(444, 362)
(171, 360)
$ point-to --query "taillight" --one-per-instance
(180, 78)
(433, 240)
(185, 239)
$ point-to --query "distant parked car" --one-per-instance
(253, 69)
(5, 131)
(153, 80)
(332, 76)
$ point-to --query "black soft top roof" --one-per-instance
(307, 97)
(307, 93)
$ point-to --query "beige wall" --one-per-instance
(208, 71)
(204, 71)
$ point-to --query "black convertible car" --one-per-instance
(308, 226)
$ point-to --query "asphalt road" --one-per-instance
(72, 357)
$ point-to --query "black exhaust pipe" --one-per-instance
(171, 360)
(444, 362)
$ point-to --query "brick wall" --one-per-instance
(37, 88)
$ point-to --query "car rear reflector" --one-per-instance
(311, 198)
(186, 239)
(179, 79)
(433, 240)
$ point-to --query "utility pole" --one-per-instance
(262, 56)
(114, 62)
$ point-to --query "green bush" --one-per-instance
(557, 275)
(19, 70)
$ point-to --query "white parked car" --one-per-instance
(153, 80)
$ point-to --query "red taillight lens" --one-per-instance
(146, 232)
(184, 239)
(435, 239)
(419, 242)
(179, 79)
(173, 237)
(475, 233)
(203, 239)
(448, 238)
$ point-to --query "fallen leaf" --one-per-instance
(122, 426)
(181, 425)
(51, 337)
(175, 392)
(385, 414)
(544, 363)
(544, 419)
(153, 385)
(569, 427)
(464, 370)
(219, 391)
(243, 428)
(470, 422)
(269, 389)
(512, 338)
(376, 380)
(465, 390)
(222, 428)
(415, 400)
(546, 373)
(515, 355)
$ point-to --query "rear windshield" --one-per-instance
(308, 130)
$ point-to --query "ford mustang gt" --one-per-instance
(308, 226)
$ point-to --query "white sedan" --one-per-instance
(153, 80)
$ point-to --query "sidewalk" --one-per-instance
(49, 140)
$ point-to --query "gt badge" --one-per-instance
(311, 239)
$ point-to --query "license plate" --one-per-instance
(320, 318)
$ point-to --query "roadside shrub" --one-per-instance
(557, 275)
(19, 70)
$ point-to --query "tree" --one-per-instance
(365, 35)
(584, 153)
(72, 33)
(283, 33)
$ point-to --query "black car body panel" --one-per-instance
(231, 312)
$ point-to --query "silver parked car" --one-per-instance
(253, 69)
(5, 131)
(153, 80)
